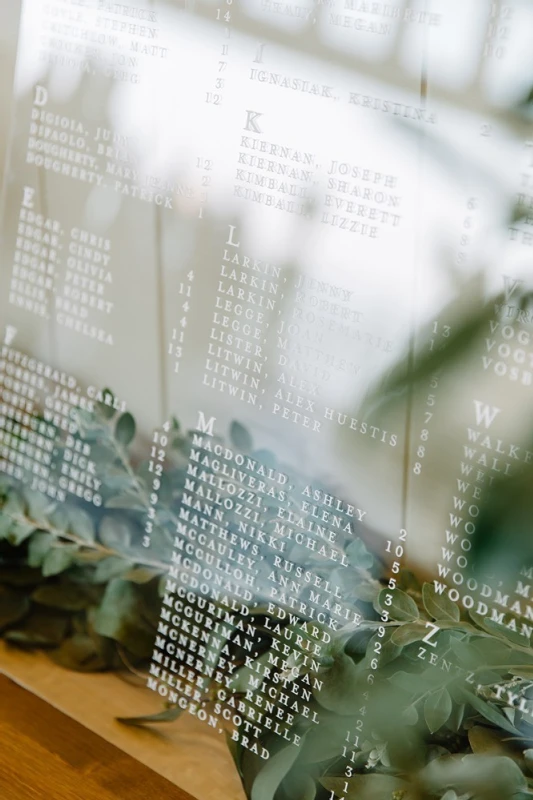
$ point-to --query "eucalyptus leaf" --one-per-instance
(81, 524)
(358, 555)
(125, 429)
(120, 617)
(5, 525)
(510, 713)
(165, 492)
(437, 709)
(366, 591)
(40, 628)
(266, 457)
(168, 715)
(410, 715)
(126, 501)
(106, 407)
(466, 652)
(39, 545)
(14, 507)
(110, 567)
(79, 653)
(59, 519)
(104, 453)
(456, 717)
(141, 574)
(409, 633)
(525, 671)
(407, 681)
(323, 741)
(402, 608)
(339, 686)
(486, 677)
(269, 778)
(501, 630)
(236, 750)
(304, 789)
(389, 651)
(85, 557)
(439, 606)
(115, 533)
(528, 756)
(122, 483)
(487, 711)
(67, 596)
(19, 531)
(494, 629)
(39, 506)
(358, 642)
(58, 559)
(13, 607)
(414, 716)
(497, 775)
(495, 651)
(463, 337)
(240, 437)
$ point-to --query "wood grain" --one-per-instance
(45, 754)
(187, 752)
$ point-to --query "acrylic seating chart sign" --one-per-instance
(266, 430)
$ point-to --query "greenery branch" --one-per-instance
(82, 586)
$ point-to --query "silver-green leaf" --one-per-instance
(58, 559)
(402, 607)
(125, 429)
(437, 709)
(439, 606)
(269, 778)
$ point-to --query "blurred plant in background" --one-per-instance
(447, 718)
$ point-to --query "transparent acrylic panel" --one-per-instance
(266, 369)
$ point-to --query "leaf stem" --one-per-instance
(91, 545)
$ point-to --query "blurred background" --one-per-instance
(410, 121)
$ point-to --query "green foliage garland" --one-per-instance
(454, 722)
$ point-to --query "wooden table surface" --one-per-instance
(45, 755)
(187, 753)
